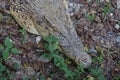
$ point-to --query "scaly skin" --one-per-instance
(44, 17)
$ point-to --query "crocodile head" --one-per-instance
(28, 12)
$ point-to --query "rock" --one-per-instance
(117, 26)
(98, 19)
(118, 39)
(118, 4)
(107, 0)
(118, 44)
(93, 51)
(100, 26)
(38, 39)
(73, 8)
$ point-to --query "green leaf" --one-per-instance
(16, 66)
(96, 71)
(107, 8)
(2, 67)
(1, 17)
(80, 68)
(55, 46)
(91, 17)
(42, 77)
(89, 1)
(58, 61)
(14, 50)
(50, 48)
(51, 38)
(48, 56)
(5, 54)
(8, 43)
(1, 47)
(8, 71)
(101, 77)
(25, 78)
(3, 78)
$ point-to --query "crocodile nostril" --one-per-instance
(84, 59)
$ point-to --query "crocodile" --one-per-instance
(44, 17)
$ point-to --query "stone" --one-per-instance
(93, 51)
(38, 39)
(118, 39)
(117, 26)
(118, 4)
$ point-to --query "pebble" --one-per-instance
(73, 8)
(38, 39)
(118, 39)
(93, 51)
(117, 26)
(98, 19)
(118, 4)
(107, 0)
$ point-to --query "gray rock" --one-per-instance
(117, 26)
(118, 39)
(118, 4)
(92, 51)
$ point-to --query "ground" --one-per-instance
(97, 24)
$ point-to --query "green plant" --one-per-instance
(25, 77)
(100, 1)
(106, 10)
(97, 73)
(91, 17)
(117, 78)
(53, 50)
(23, 32)
(42, 77)
(5, 50)
(8, 48)
(78, 71)
(1, 17)
(99, 58)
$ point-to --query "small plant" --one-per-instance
(78, 71)
(5, 51)
(117, 78)
(5, 73)
(8, 48)
(91, 17)
(106, 10)
(25, 78)
(53, 49)
(1, 17)
(23, 32)
(100, 1)
(97, 73)
(42, 77)
(99, 59)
